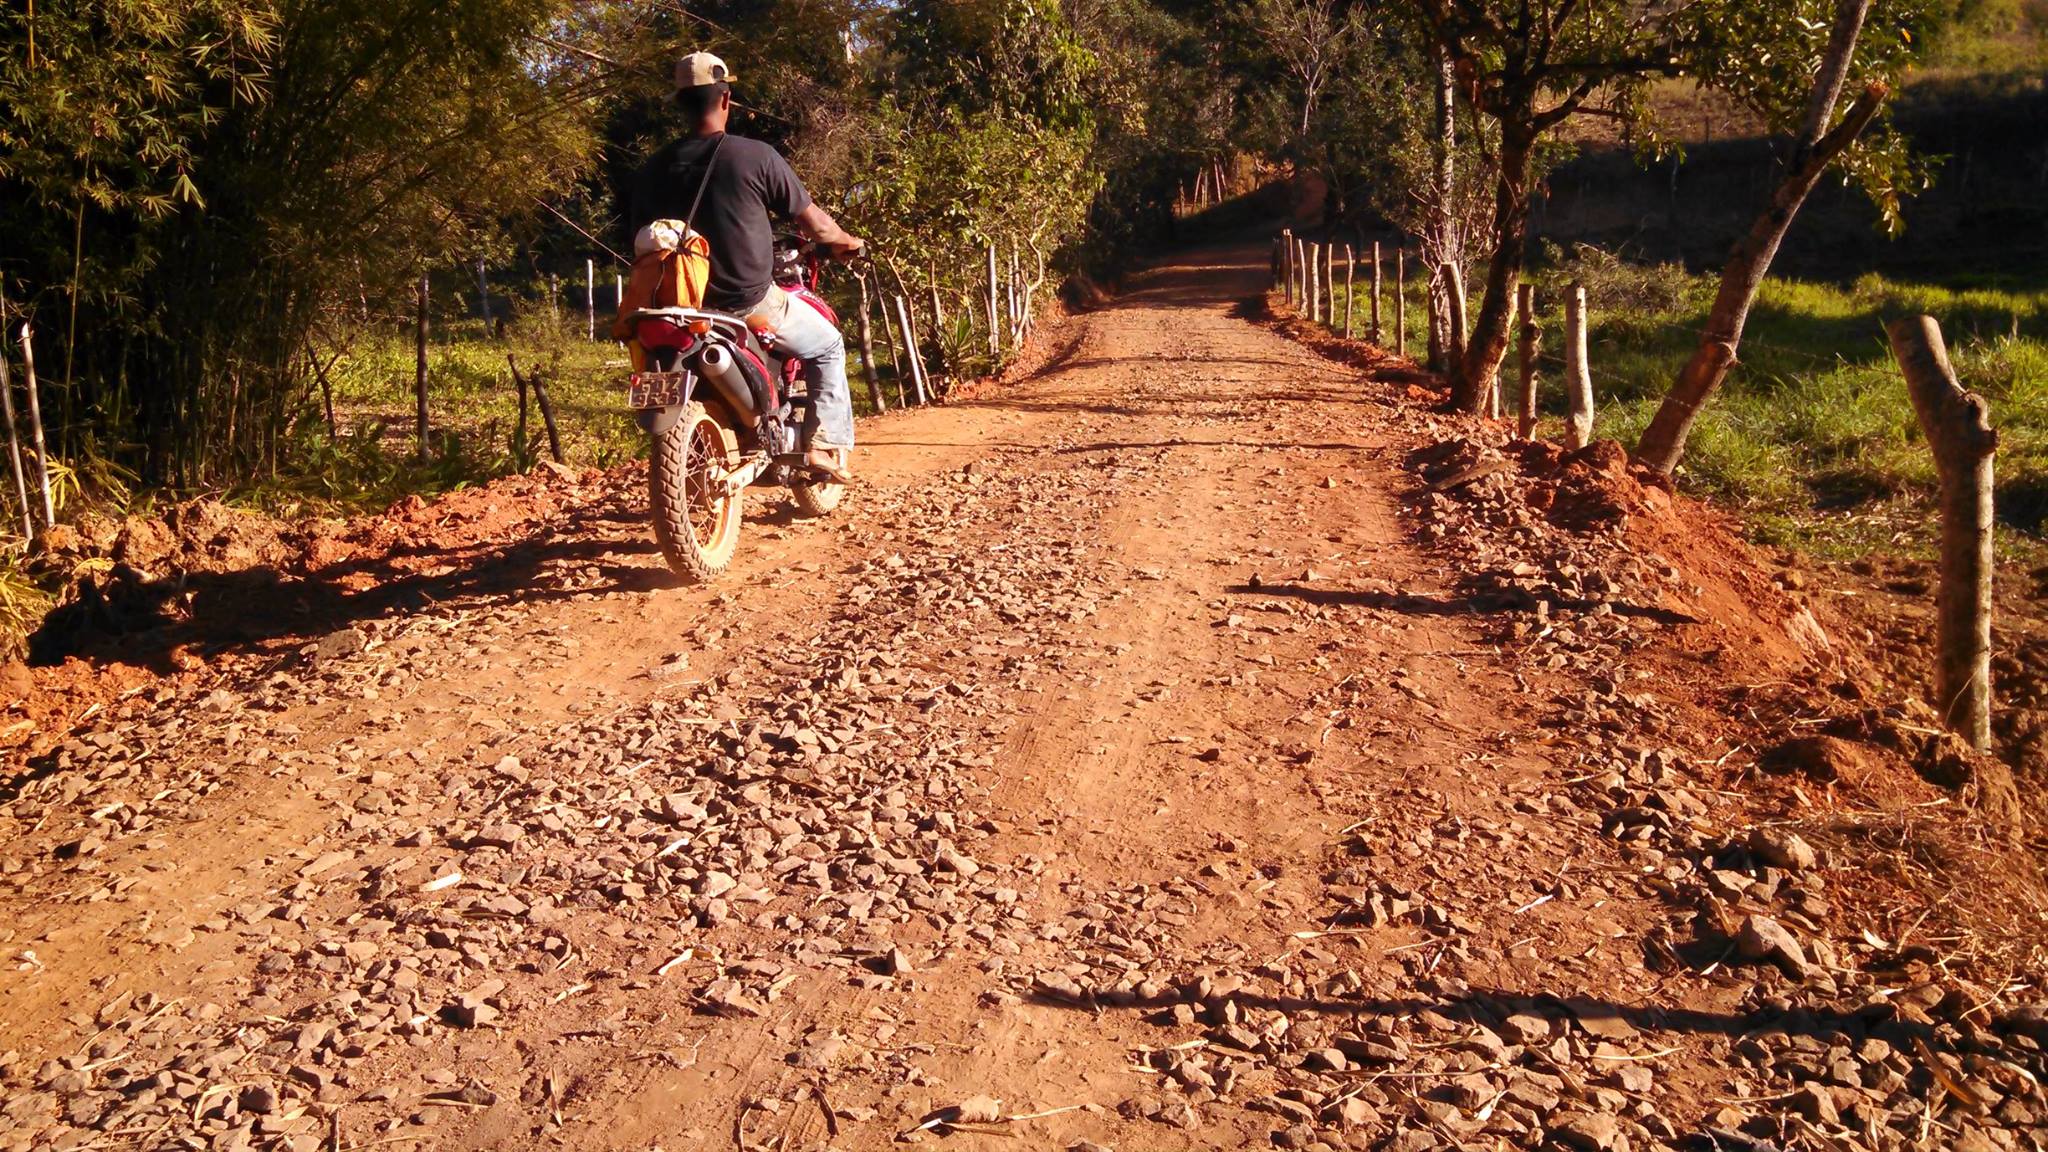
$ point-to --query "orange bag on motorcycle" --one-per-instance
(665, 276)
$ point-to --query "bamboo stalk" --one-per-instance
(35, 423)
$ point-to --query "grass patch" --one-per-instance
(1813, 438)
(370, 459)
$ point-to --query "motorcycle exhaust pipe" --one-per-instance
(718, 366)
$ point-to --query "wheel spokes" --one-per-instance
(704, 479)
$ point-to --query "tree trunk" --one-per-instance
(326, 392)
(867, 350)
(1958, 429)
(1488, 345)
(1663, 442)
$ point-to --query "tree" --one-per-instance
(1528, 66)
(1312, 39)
(1770, 72)
(214, 175)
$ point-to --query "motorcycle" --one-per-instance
(726, 411)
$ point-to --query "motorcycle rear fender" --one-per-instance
(657, 421)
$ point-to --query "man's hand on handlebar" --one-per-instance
(845, 248)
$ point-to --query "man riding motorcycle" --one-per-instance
(743, 183)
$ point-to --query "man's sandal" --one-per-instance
(830, 461)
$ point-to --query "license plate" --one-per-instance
(656, 389)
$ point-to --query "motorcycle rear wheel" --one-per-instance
(696, 520)
(819, 499)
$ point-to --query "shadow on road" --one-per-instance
(1481, 603)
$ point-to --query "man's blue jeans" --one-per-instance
(803, 332)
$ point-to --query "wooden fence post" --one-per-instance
(519, 430)
(1578, 376)
(1315, 283)
(895, 357)
(1350, 276)
(1378, 337)
(1434, 358)
(28, 524)
(867, 350)
(1287, 246)
(547, 413)
(590, 297)
(1330, 286)
(1532, 347)
(910, 346)
(35, 424)
(419, 379)
(483, 288)
(995, 305)
(1957, 425)
(1454, 351)
(1401, 302)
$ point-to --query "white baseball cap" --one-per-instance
(701, 68)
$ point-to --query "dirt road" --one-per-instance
(1125, 751)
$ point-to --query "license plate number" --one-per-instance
(656, 389)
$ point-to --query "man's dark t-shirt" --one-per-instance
(749, 183)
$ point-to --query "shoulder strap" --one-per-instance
(690, 221)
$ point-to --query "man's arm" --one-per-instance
(818, 226)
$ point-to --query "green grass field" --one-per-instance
(473, 415)
(1813, 439)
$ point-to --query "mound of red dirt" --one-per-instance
(205, 585)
